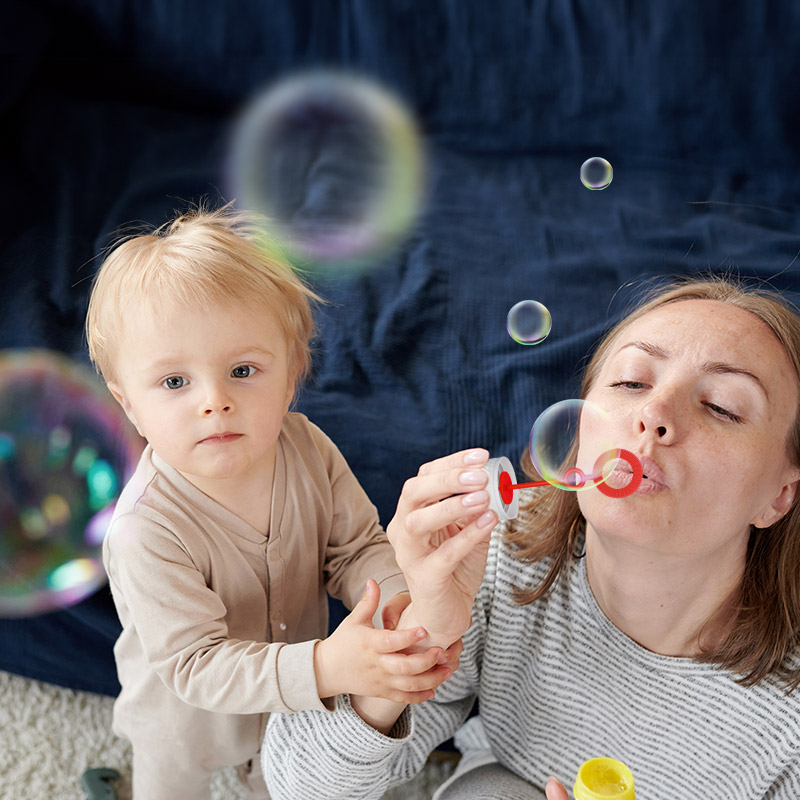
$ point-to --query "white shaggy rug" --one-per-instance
(50, 735)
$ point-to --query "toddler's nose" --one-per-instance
(217, 402)
(216, 409)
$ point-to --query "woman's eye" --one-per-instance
(244, 371)
(626, 384)
(174, 382)
(722, 412)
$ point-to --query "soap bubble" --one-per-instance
(596, 173)
(528, 322)
(556, 452)
(66, 451)
(335, 162)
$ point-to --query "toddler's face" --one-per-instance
(207, 388)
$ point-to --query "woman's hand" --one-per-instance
(440, 534)
(555, 790)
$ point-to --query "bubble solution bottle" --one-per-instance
(603, 779)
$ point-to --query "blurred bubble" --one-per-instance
(560, 457)
(335, 162)
(528, 322)
(66, 449)
(596, 173)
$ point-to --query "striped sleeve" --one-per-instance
(337, 756)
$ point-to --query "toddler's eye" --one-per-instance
(243, 371)
(174, 382)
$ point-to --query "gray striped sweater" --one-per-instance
(558, 683)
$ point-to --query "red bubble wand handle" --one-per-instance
(575, 478)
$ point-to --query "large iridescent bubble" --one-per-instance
(559, 454)
(66, 451)
(336, 164)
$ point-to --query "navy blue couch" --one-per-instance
(116, 110)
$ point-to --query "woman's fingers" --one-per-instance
(457, 473)
(555, 790)
(450, 553)
(452, 511)
(472, 457)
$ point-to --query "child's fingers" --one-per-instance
(386, 641)
(409, 698)
(393, 610)
(452, 656)
(366, 607)
(417, 684)
(414, 664)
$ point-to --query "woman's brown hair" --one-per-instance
(765, 610)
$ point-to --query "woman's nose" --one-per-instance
(658, 417)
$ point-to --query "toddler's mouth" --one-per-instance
(220, 438)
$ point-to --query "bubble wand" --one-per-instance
(502, 481)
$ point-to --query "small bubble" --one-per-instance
(528, 322)
(596, 173)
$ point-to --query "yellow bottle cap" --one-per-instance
(602, 779)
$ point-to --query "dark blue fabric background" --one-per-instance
(115, 111)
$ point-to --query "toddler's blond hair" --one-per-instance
(201, 258)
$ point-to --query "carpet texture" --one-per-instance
(50, 735)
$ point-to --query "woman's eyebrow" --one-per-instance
(711, 367)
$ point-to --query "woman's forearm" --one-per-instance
(379, 713)
(382, 714)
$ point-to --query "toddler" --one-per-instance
(239, 516)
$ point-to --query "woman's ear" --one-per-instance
(780, 505)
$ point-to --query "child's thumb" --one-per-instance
(368, 604)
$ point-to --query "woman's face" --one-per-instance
(704, 394)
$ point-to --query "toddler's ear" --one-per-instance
(116, 391)
(290, 390)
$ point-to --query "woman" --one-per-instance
(660, 629)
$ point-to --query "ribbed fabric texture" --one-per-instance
(558, 683)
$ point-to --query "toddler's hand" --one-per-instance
(440, 534)
(393, 609)
(359, 659)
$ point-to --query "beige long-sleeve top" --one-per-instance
(218, 621)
